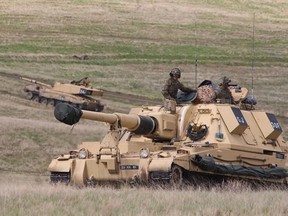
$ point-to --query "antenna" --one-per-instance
(253, 55)
(196, 49)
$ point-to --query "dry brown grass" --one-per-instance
(29, 198)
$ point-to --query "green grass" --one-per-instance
(34, 137)
(220, 39)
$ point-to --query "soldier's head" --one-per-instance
(175, 73)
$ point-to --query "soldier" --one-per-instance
(85, 82)
(170, 89)
(223, 93)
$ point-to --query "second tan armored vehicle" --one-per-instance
(77, 93)
(173, 143)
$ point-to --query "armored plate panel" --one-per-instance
(233, 119)
(268, 125)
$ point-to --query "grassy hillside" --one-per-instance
(40, 199)
(131, 46)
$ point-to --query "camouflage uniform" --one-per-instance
(223, 93)
(170, 89)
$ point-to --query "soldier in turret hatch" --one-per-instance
(170, 89)
(223, 94)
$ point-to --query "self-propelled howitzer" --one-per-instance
(78, 93)
(156, 144)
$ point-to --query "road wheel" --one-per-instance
(176, 178)
(29, 95)
(51, 103)
(44, 101)
(36, 98)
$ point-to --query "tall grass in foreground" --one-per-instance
(44, 199)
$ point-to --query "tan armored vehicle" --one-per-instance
(173, 143)
(77, 93)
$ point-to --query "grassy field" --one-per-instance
(131, 46)
(231, 199)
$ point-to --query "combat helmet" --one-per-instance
(174, 72)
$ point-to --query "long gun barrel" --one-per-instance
(135, 123)
(35, 81)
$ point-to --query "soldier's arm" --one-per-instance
(185, 89)
(165, 91)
